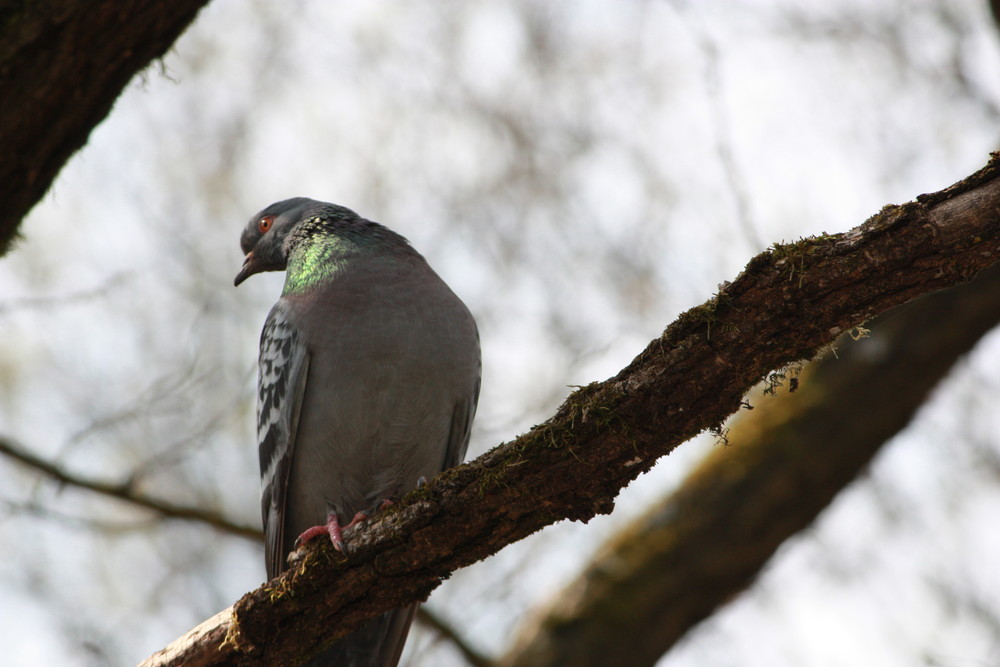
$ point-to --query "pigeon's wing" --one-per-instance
(284, 368)
(461, 427)
(464, 412)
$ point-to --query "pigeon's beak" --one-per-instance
(247, 270)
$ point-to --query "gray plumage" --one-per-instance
(369, 380)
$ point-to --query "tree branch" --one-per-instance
(787, 304)
(62, 66)
(125, 491)
(787, 459)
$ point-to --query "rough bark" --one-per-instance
(62, 65)
(788, 304)
(785, 462)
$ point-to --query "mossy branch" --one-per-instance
(692, 551)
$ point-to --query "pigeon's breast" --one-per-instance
(392, 353)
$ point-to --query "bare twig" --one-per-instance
(125, 491)
(74, 298)
(446, 630)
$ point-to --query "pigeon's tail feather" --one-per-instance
(377, 644)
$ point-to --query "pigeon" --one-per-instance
(369, 376)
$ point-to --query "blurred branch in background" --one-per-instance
(784, 463)
(73, 298)
(447, 631)
(126, 492)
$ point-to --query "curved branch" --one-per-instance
(788, 304)
(125, 491)
(446, 630)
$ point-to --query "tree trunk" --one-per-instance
(62, 66)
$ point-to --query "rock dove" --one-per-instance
(369, 380)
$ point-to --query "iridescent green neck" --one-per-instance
(316, 261)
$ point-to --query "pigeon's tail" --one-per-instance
(377, 644)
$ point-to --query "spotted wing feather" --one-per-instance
(284, 368)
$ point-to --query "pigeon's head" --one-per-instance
(268, 237)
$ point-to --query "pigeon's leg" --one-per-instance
(331, 528)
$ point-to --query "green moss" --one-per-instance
(886, 218)
(699, 318)
(590, 407)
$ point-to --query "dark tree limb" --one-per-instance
(788, 304)
(785, 462)
(127, 492)
(62, 66)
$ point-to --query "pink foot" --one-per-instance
(332, 528)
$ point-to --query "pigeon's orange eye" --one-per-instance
(264, 224)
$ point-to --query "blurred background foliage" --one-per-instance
(580, 174)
